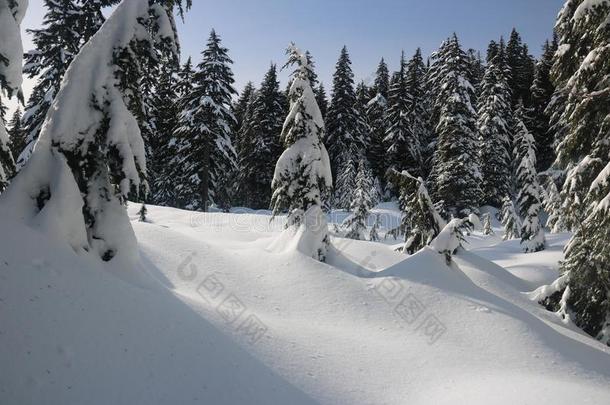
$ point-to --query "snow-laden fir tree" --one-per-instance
(487, 229)
(541, 94)
(241, 104)
(260, 146)
(303, 178)
(418, 112)
(529, 197)
(361, 205)
(164, 111)
(205, 152)
(345, 182)
(521, 66)
(90, 154)
(56, 45)
(16, 133)
(11, 51)
(374, 233)
(343, 123)
(376, 118)
(584, 42)
(552, 206)
(493, 125)
(321, 99)
(457, 173)
(511, 222)
(421, 222)
(403, 150)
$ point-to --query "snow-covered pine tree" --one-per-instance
(241, 104)
(521, 67)
(16, 133)
(376, 118)
(553, 207)
(56, 45)
(585, 43)
(11, 51)
(374, 233)
(90, 154)
(260, 147)
(402, 145)
(421, 221)
(510, 219)
(487, 229)
(529, 197)
(418, 114)
(205, 152)
(164, 111)
(321, 99)
(542, 91)
(303, 177)
(457, 171)
(344, 131)
(362, 203)
(494, 130)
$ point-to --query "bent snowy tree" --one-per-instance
(90, 154)
(302, 178)
(11, 54)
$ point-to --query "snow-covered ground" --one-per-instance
(214, 316)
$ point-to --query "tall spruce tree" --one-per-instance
(303, 178)
(321, 99)
(240, 106)
(361, 204)
(205, 151)
(345, 131)
(529, 197)
(580, 72)
(542, 92)
(418, 114)
(494, 127)
(457, 168)
(403, 147)
(521, 67)
(376, 118)
(261, 144)
(16, 133)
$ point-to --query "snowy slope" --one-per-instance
(213, 316)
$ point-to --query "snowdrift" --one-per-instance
(212, 316)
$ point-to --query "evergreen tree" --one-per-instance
(321, 99)
(521, 68)
(421, 221)
(361, 204)
(529, 197)
(457, 169)
(418, 114)
(382, 80)
(376, 118)
(542, 92)
(374, 234)
(343, 122)
(403, 148)
(205, 151)
(16, 133)
(261, 146)
(487, 229)
(91, 155)
(57, 43)
(494, 131)
(240, 106)
(11, 50)
(580, 72)
(553, 207)
(510, 219)
(303, 178)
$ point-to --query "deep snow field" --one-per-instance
(212, 315)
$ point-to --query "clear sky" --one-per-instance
(257, 31)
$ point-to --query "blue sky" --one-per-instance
(257, 31)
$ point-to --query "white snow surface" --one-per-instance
(370, 326)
